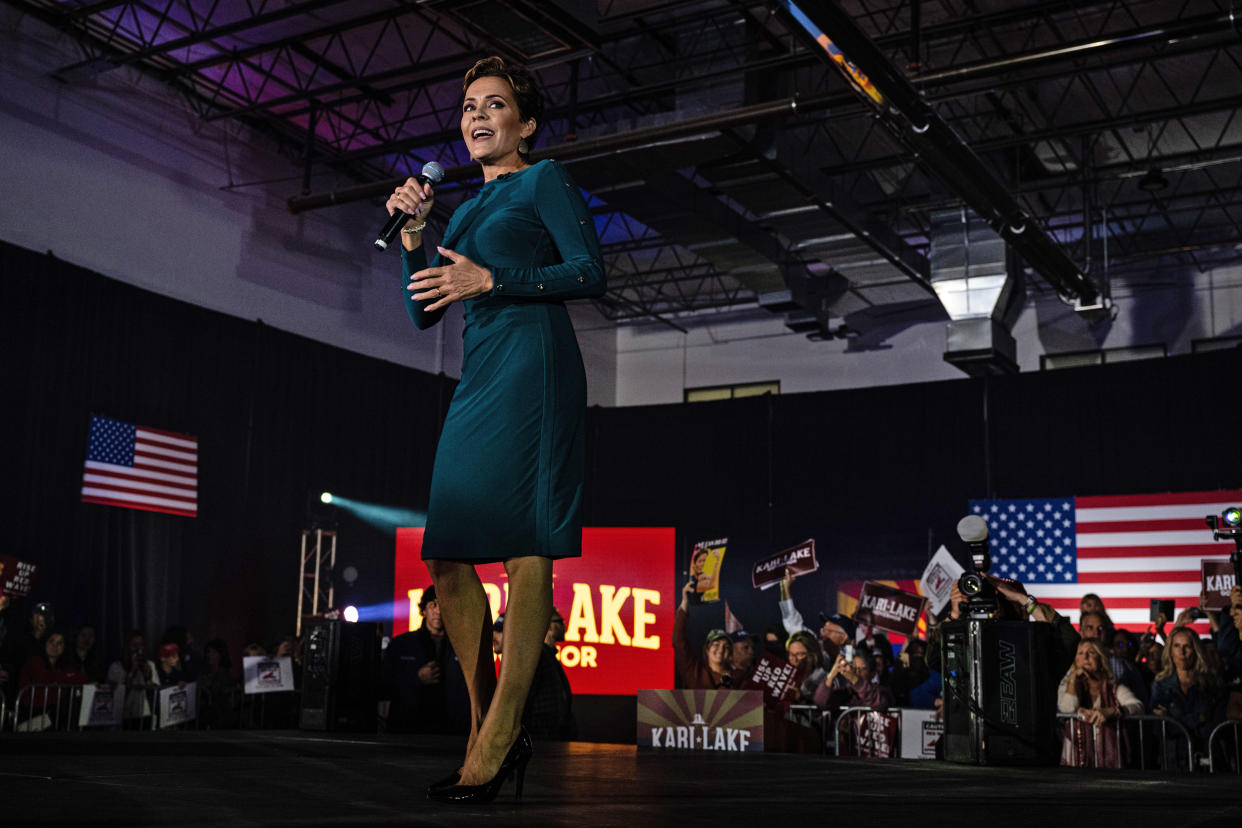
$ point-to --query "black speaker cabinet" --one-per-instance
(999, 694)
(340, 676)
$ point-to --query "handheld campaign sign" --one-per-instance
(102, 705)
(265, 674)
(777, 678)
(716, 720)
(16, 576)
(178, 705)
(1218, 580)
(706, 561)
(891, 609)
(797, 560)
(938, 578)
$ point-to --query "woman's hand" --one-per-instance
(415, 199)
(837, 666)
(456, 282)
(690, 587)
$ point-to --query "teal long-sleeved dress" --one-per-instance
(509, 466)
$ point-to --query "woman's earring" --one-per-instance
(523, 147)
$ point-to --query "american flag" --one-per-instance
(1128, 549)
(141, 468)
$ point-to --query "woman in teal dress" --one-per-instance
(507, 484)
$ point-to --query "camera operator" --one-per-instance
(1014, 604)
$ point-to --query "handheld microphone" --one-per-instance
(432, 174)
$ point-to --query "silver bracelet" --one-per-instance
(416, 228)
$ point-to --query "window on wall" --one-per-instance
(733, 392)
(1077, 359)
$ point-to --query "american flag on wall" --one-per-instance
(1128, 549)
(141, 468)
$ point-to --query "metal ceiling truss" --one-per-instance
(1109, 124)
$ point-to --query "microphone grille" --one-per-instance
(972, 529)
(434, 172)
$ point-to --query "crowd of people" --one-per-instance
(36, 653)
(1103, 674)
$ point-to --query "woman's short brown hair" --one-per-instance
(526, 93)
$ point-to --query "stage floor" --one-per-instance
(298, 778)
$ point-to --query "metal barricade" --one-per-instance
(45, 711)
(271, 711)
(4, 710)
(1140, 720)
(853, 713)
(1219, 732)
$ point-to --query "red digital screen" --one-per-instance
(615, 600)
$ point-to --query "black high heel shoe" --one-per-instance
(447, 782)
(515, 762)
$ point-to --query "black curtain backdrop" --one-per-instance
(878, 476)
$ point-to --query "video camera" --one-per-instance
(982, 600)
(1228, 526)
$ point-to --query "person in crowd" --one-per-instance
(1186, 690)
(1093, 603)
(523, 246)
(1094, 625)
(835, 630)
(191, 658)
(774, 640)
(422, 678)
(30, 642)
(82, 654)
(862, 686)
(1227, 631)
(911, 670)
(709, 669)
(138, 675)
(49, 667)
(253, 650)
(1092, 692)
(866, 635)
(805, 654)
(168, 668)
(556, 629)
(219, 698)
(6, 670)
(743, 659)
(549, 710)
(498, 637)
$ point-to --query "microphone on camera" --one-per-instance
(432, 174)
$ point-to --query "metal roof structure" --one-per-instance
(732, 150)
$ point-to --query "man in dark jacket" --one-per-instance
(422, 678)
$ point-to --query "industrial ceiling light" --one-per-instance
(1153, 181)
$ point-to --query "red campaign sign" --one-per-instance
(615, 601)
(1218, 578)
(776, 677)
(16, 576)
(890, 609)
(797, 560)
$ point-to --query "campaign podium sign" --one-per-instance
(702, 720)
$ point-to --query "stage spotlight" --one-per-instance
(326, 497)
(351, 614)
(1231, 516)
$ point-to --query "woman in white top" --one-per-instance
(1093, 739)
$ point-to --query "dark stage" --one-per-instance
(299, 778)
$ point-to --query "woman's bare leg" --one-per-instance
(468, 622)
(526, 623)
